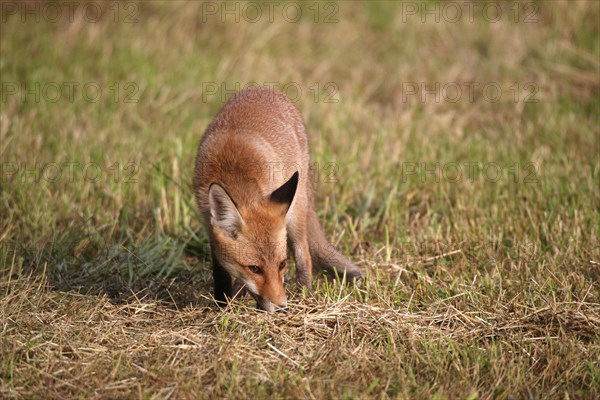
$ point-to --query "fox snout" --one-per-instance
(267, 305)
(271, 301)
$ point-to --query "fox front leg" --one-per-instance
(222, 284)
(303, 263)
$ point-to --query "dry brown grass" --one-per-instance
(71, 345)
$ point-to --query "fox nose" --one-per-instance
(268, 305)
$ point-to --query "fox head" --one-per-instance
(252, 241)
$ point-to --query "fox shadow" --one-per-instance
(175, 271)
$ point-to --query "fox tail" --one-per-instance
(325, 257)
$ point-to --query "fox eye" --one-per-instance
(255, 269)
(282, 264)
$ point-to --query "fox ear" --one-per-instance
(284, 195)
(223, 212)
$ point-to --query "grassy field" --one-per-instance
(456, 159)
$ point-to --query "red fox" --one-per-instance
(253, 189)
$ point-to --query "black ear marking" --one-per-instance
(286, 192)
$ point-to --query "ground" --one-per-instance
(455, 158)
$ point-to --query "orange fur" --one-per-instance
(253, 202)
